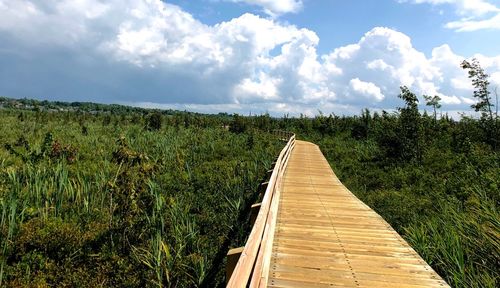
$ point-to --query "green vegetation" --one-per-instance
(120, 200)
(95, 195)
(445, 202)
(436, 181)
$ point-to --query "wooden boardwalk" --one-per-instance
(326, 237)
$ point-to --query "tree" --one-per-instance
(481, 92)
(361, 127)
(154, 122)
(263, 122)
(484, 105)
(434, 102)
(410, 125)
(239, 124)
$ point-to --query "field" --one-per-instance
(121, 196)
(115, 201)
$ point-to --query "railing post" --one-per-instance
(269, 172)
(262, 189)
(232, 257)
(254, 211)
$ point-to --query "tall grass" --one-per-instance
(155, 215)
(462, 245)
(446, 207)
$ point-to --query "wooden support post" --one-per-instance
(269, 173)
(254, 211)
(262, 189)
(232, 257)
(263, 186)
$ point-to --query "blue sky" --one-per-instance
(285, 56)
(339, 22)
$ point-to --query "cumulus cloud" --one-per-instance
(475, 14)
(468, 25)
(158, 52)
(275, 7)
(463, 7)
(366, 89)
(149, 53)
(384, 57)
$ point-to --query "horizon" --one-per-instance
(393, 111)
(245, 56)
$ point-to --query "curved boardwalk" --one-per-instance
(326, 237)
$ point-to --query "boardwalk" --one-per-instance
(325, 237)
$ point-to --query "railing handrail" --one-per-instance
(252, 266)
(282, 133)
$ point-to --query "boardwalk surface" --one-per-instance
(326, 237)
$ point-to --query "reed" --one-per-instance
(156, 203)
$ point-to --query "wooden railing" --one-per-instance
(253, 264)
(283, 135)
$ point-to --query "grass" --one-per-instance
(118, 204)
(446, 207)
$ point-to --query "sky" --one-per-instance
(248, 56)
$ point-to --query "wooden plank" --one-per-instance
(332, 275)
(261, 272)
(332, 245)
(326, 237)
(350, 253)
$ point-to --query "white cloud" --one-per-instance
(468, 101)
(366, 89)
(463, 7)
(265, 87)
(475, 14)
(275, 7)
(477, 7)
(450, 100)
(461, 83)
(468, 25)
(379, 64)
(495, 79)
(226, 62)
(147, 51)
(385, 58)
